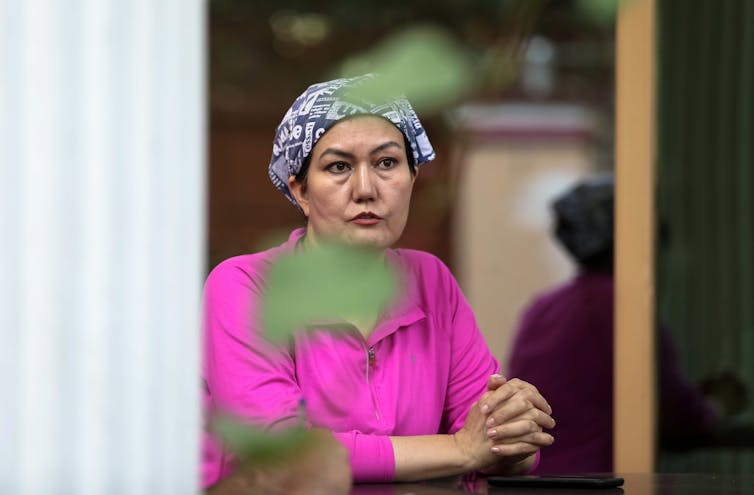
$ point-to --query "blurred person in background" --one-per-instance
(564, 344)
(412, 392)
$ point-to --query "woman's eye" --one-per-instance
(337, 167)
(387, 163)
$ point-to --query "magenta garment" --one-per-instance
(564, 345)
(430, 363)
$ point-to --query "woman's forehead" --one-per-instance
(363, 130)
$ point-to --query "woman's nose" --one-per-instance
(364, 184)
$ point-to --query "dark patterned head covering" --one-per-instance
(324, 104)
(584, 218)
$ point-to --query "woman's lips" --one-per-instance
(366, 218)
(366, 221)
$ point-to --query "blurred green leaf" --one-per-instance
(249, 442)
(325, 283)
(600, 12)
(424, 63)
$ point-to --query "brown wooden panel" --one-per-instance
(634, 313)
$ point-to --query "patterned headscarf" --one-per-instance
(324, 104)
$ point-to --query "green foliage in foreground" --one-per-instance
(324, 284)
(424, 63)
(248, 442)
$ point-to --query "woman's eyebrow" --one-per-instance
(345, 154)
(382, 147)
(337, 152)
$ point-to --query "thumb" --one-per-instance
(495, 381)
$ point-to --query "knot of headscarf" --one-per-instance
(320, 107)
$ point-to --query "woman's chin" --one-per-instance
(370, 240)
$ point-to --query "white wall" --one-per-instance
(101, 245)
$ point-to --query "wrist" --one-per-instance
(512, 467)
(464, 453)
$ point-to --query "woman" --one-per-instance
(566, 335)
(412, 392)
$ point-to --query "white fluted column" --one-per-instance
(101, 245)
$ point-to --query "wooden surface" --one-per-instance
(635, 484)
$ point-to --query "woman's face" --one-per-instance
(358, 187)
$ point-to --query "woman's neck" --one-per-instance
(311, 241)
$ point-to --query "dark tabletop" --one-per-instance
(635, 484)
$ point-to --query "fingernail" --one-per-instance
(491, 422)
(485, 409)
(495, 450)
(491, 433)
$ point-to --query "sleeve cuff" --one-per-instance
(371, 456)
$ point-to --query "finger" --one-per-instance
(513, 430)
(536, 399)
(521, 431)
(531, 393)
(521, 384)
(535, 440)
(542, 419)
(514, 449)
(538, 439)
(495, 381)
(508, 410)
(494, 399)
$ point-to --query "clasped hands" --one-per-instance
(505, 427)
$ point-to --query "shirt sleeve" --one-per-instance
(471, 362)
(247, 377)
(371, 456)
(244, 376)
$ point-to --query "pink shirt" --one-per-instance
(430, 363)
